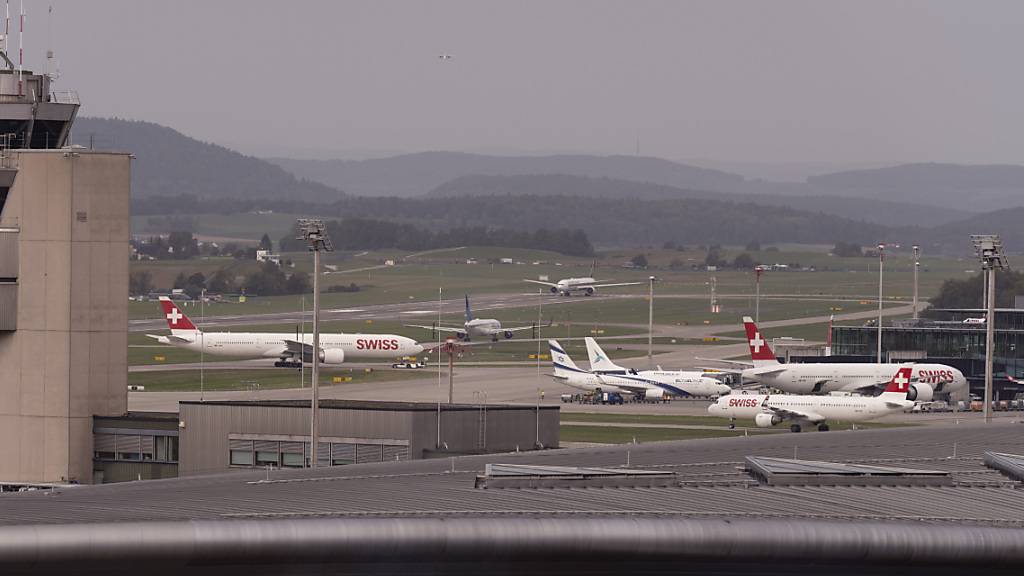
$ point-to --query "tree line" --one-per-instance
(370, 234)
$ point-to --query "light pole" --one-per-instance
(989, 248)
(917, 267)
(202, 345)
(758, 270)
(314, 233)
(881, 262)
(540, 310)
(650, 324)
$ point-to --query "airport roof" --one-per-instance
(715, 510)
(711, 475)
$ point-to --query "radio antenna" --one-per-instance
(21, 48)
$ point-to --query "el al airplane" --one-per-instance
(647, 386)
(476, 327)
(288, 348)
(691, 383)
(805, 410)
(824, 377)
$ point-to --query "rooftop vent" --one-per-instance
(786, 472)
(526, 476)
(1012, 465)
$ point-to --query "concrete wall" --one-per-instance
(68, 359)
(204, 447)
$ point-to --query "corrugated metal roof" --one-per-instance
(710, 471)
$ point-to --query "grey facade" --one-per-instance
(217, 436)
(63, 309)
(136, 446)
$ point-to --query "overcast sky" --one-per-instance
(754, 81)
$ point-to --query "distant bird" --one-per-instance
(444, 56)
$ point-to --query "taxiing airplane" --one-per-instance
(691, 383)
(476, 327)
(288, 348)
(645, 384)
(930, 380)
(804, 410)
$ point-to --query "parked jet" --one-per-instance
(288, 348)
(804, 410)
(690, 383)
(823, 377)
(647, 385)
(477, 327)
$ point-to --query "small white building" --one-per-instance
(267, 256)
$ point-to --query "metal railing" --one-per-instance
(65, 97)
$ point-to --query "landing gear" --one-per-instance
(822, 427)
(794, 428)
(732, 423)
(287, 364)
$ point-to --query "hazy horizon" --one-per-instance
(771, 83)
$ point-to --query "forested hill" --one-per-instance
(973, 188)
(169, 163)
(606, 221)
(416, 174)
(876, 211)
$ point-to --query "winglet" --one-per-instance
(760, 352)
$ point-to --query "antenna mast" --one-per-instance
(21, 48)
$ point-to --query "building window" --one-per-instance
(291, 460)
(267, 458)
(241, 457)
(167, 448)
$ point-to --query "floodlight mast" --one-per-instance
(314, 232)
(989, 249)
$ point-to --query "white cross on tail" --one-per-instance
(901, 380)
(174, 316)
(756, 342)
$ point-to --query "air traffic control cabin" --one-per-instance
(64, 231)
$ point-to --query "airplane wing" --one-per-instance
(438, 328)
(733, 362)
(791, 414)
(552, 284)
(172, 339)
(615, 284)
(531, 327)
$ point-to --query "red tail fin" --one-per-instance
(176, 319)
(759, 349)
(900, 383)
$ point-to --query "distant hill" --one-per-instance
(415, 174)
(954, 237)
(869, 210)
(169, 163)
(972, 188)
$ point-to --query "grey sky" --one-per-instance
(754, 81)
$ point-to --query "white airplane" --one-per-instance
(642, 385)
(824, 377)
(676, 382)
(476, 327)
(288, 348)
(801, 410)
(587, 285)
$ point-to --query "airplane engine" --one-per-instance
(654, 395)
(589, 291)
(509, 334)
(767, 420)
(332, 356)
(920, 393)
(554, 290)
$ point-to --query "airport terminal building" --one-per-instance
(949, 342)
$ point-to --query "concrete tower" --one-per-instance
(64, 232)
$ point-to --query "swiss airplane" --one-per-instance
(476, 327)
(677, 382)
(805, 410)
(288, 348)
(567, 286)
(823, 377)
(647, 384)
